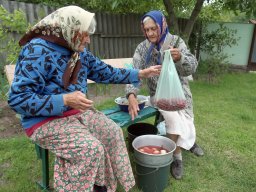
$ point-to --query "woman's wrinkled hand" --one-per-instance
(175, 53)
(150, 72)
(77, 100)
(133, 107)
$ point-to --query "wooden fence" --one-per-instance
(116, 36)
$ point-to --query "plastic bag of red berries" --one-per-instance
(169, 93)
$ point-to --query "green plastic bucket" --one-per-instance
(152, 179)
(153, 170)
(138, 129)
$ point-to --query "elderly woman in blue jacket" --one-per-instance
(49, 90)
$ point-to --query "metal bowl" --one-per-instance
(122, 102)
(152, 160)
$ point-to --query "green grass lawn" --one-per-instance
(225, 118)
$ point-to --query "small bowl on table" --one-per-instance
(122, 102)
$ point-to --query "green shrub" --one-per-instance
(211, 69)
(11, 23)
(213, 43)
(3, 88)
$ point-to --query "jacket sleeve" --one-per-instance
(30, 78)
(188, 62)
(138, 63)
(101, 72)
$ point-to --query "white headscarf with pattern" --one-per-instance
(64, 22)
(62, 27)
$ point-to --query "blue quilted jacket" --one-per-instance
(37, 89)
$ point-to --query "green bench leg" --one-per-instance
(43, 154)
(158, 118)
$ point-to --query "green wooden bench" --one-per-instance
(121, 118)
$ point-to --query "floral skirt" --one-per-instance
(90, 149)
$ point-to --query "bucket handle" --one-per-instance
(156, 169)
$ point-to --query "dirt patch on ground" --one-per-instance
(9, 121)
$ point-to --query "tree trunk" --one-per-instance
(185, 34)
(172, 19)
(191, 22)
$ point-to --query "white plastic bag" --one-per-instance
(169, 92)
(161, 128)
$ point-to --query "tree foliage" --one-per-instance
(246, 6)
(190, 9)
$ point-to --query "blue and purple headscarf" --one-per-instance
(163, 30)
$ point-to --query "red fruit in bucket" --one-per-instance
(155, 150)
